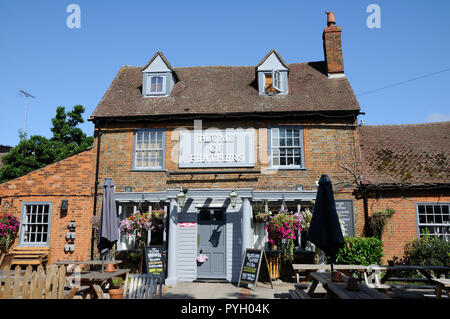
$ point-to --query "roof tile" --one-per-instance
(227, 89)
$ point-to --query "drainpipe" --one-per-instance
(367, 231)
(99, 137)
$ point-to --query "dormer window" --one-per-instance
(158, 77)
(272, 75)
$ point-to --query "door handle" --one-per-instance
(198, 239)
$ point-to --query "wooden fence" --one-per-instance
(37, 284)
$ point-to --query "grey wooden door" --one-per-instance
(211, 242)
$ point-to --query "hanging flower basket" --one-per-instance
(282, 230)
(158, 214)
(261, 217)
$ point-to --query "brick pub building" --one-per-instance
(183, 139)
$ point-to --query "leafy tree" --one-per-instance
(38, 151)
(68, 138)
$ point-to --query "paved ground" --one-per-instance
(203, 290)
(196, 290)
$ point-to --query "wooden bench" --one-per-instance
(142, 286)
(299, 294)
(30, 255)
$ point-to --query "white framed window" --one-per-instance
(156, 84)
(35, 224)
(149, 150)
(433, 218)
(286, 147)
(272, 82)
(276, 76)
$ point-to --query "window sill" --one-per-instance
(148, 170)
(31, 245)
(156, 95)
(286, 169)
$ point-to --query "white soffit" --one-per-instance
(158, 65)
(272, 63)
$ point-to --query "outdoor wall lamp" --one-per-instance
(64, 205)
(233, 197)
(181, 197)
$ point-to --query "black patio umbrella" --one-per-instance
(325, 230)
(109, 229)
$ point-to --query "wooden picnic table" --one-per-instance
(96, 280)
(308, 268)
(373, 278)
(76, 266)
(87, 262)
(391, 270)
(442, 284)
(338, 289)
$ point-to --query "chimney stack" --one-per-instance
(332, 47)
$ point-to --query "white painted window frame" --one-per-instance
(163, 86)
(301, 147)
(24, 222)
(441, 225)
(162, 149)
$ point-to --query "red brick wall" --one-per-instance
(402, 227)
(324, 143)
(71, 179)
(328, 144)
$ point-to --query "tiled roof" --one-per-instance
(227, 90)
(409, 155)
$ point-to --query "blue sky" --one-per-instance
(66, 67)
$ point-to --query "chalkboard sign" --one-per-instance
(344, 208)
(251, 263)
(154, 260)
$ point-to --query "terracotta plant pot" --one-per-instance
(115, 293)
(337, 277)
(110, 268)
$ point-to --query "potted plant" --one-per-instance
(116, 292)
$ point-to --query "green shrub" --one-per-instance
(360, 251)
(430, 251)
